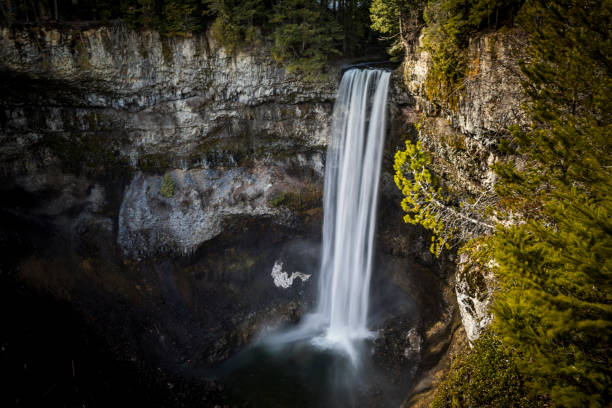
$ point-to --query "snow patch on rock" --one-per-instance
(282, 279)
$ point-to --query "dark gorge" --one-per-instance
(147, 293)
(258, 203)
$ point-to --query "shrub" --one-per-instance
(486, 376)
(167, 186)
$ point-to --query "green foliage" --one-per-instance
(180, 17)
(354, 18)
(426, 205)
(397, 20)
(140, 14)
(304, 35)
(423, 201)
(553, 312)
(236, 23)
(278, 200)
(555, 306)
(385, 16)
(486, 376)
(302, 200)
(167, 186)
(450, 24)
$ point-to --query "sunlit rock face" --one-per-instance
(462, 139)
(461, 135)
(491, 96)
(474, 289)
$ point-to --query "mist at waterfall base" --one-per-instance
(325, 358)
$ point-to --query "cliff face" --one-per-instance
(115, 98)
(94, 123)
(155, 185)
(461, 138)
(462, 141)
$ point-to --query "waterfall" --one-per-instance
(352, 173)
(351, 187)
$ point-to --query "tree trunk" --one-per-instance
(5, 16)
(496, 18)
(55, 14)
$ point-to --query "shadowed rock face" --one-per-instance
(165, 287)
(91, 122)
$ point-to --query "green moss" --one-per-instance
(167, 186)
(239, 260)
(441, 88)
(298, 201)
(107, 40)
(78, 149)
(167, 50)
(456, 141)
(277, 200)
(486, 376)
(153, 162)
(142, 47)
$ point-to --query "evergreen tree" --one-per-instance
(180, 16)
(305, 36)
(354, 17)
(485, 376)
(397, 20)
(555, 307)
(450, 24)
(237, 22)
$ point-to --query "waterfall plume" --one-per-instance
(352, 174)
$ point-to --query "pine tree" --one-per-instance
(236, 23)
(555, 307)
(399, 21)
(305, 36)
(180, 16)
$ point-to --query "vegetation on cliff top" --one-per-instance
(447, 26)
(303, 34)
(553, 312)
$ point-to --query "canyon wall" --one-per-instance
(160, 188)
(155, 185)
(461, 135)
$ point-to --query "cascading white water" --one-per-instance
(350, 197)
(352, 172)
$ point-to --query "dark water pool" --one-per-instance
(302, 375)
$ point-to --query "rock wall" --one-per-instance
(91, 124)
(109, 97)
(92, 121)
(462, 140)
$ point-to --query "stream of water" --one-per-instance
(351, 188)
(308, 365)
(352, 173)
